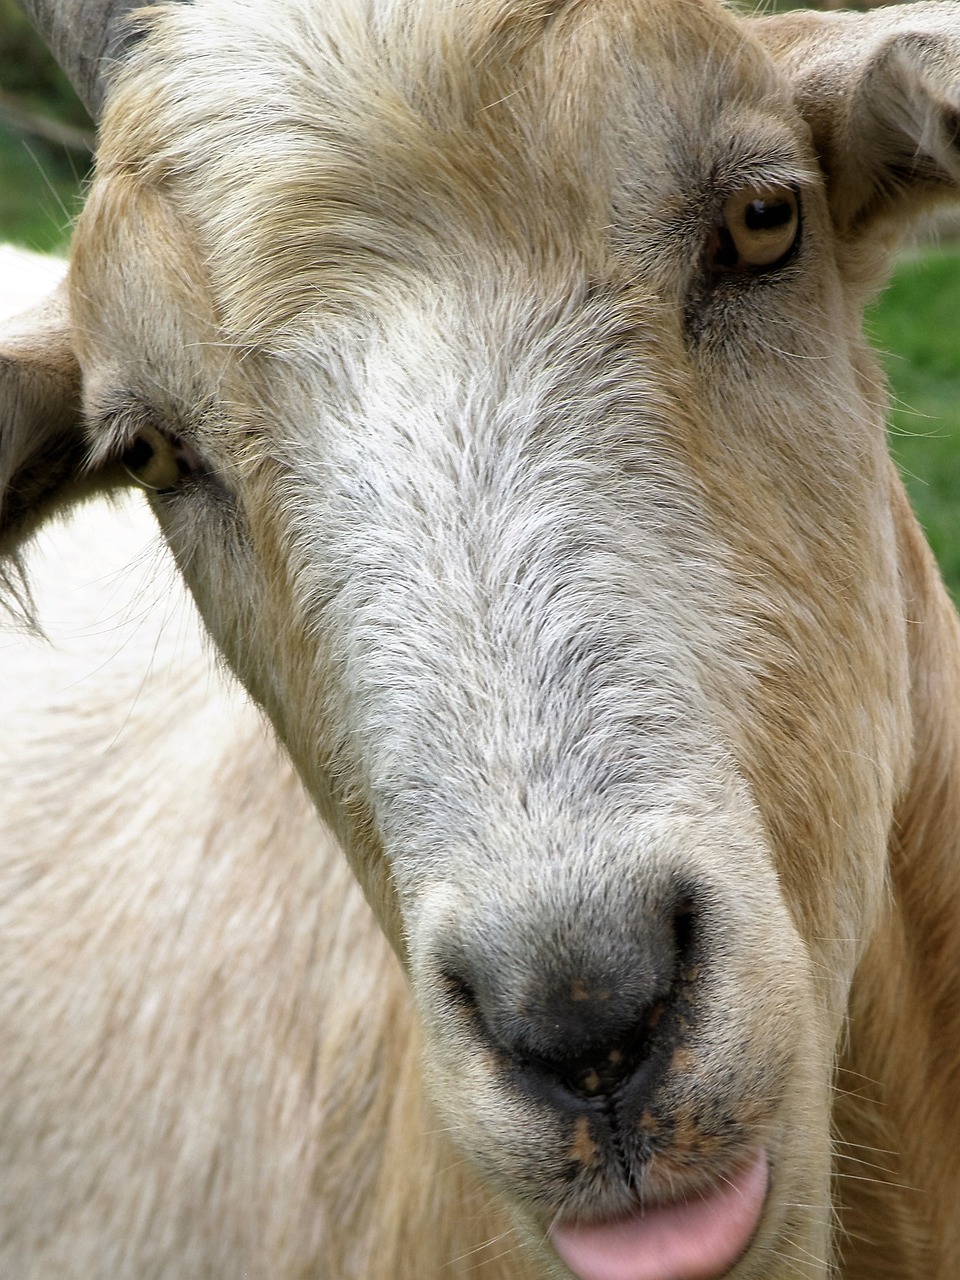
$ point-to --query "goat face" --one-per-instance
(508, 417)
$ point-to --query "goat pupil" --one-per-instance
(137, 454)
(761, 215)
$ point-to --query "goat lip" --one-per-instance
(688, 1240)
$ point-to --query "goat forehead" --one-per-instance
(367, 145)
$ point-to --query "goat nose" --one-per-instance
(600, 1052)
(585, 1013)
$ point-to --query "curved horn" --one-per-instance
(84, 36)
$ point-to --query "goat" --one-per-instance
(495, 374)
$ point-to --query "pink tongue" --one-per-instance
(690, 1240)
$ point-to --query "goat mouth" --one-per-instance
(698, 1238)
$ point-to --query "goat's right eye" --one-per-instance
(156, 461)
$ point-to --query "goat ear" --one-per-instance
(881, 93)
(42, 448)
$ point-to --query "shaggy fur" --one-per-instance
(565, 558)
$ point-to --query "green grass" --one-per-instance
(39, 193)
(917, 324)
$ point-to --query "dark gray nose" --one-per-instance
(576, 1006)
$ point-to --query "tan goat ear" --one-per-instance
(881, 93)
(41, 440)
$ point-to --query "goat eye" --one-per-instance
(156, 461)
(760, 227)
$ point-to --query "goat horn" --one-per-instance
(84, 36)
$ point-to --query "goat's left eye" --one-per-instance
(760, 227)
(157, 461)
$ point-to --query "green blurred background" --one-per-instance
(45, 153)
(45, 140)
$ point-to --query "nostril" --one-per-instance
(460, 994)
(685, 928)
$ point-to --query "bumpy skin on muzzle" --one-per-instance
(87, 38)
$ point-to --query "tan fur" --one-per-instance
(897, 1161)
(571, 574)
